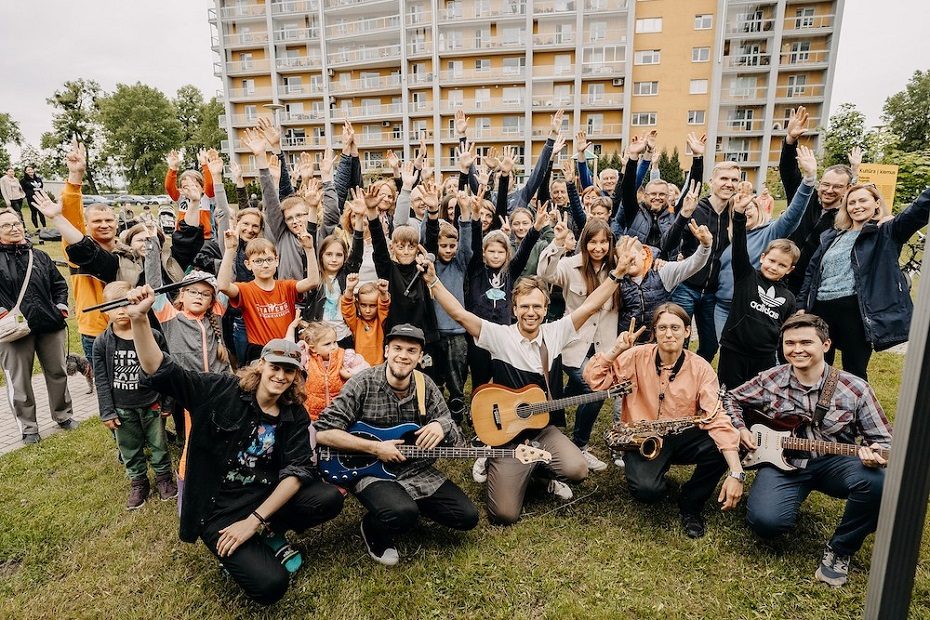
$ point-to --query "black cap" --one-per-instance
(407, 332)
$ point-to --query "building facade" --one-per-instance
(399, 69)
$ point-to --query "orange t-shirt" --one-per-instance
(266, 314)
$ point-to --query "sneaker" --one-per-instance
(693, 525)
(479, 471)
(69, 425)
(381, 551)
(30, 439)
(594, 463)
(138, 493)
(618, 462)
(166, 487)
(834, 568)
(560, 490)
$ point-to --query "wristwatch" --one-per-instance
(738, 475)
(613, 276)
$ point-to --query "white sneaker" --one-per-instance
(560, 490)
(479, 471)
(619, 462)
(594, 463)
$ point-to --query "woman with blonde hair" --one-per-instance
(853, 280)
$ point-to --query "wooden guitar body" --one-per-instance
(498, 416)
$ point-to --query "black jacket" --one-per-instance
(884, 297)
(814, 222)
(708, 278)
(223, 417)
(47, 293)
(30, 186)
(104, 347)
(316, 299)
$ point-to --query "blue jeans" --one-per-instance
(585, 415)
(240, 338)
(776, 498)
(721, 314)
(87, 343)
(701, 308)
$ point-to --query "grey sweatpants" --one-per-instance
(16, 360)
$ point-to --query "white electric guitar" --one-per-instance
(772, 446)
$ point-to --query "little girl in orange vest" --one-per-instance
(328, 366)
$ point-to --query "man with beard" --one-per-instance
(385, 396)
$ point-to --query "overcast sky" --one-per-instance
(166, 44)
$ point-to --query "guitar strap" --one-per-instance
(420, 385)
(826, 396)
(544, 358)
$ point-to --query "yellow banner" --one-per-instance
(884, 176)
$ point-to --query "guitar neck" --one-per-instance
(826, 447)
(561, 403)
(444, 452)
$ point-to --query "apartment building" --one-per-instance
(399, 69)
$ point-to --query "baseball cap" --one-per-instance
(201, 276)
(283, 352)
(406, 331)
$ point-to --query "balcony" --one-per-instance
(741, 126)
(480, 76)
(294, 6)
(420, 80)
(421, 18)
(355, 4)
(298, 63)
(244, 39)
(238, 120)
(367, 111)
(602, 69)
(249, 94)
(750, 27)
(799, 92)
(469, 45)
(552, 102)
(608, 130)
(243, 12)
(314, 89)
(747, 62)
(225, 144)
(245, 67)
(553, 7)
(419, 108)
(419, 48)
(297, 142)
(556, 72)
(750, 95)
(809, 58)
(742, 157)
(313, 115)
(599, 101)
(367, 55)
(482, 12)
(605, 6)
(486, 106)
(295, 35)
(812, 25)
(374, 139)
(548, 40)
(369, 84)
(364, 27)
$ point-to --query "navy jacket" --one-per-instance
(883, 294)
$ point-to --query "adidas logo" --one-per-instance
(769, 299)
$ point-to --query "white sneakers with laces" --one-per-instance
(560, 490)
(479, 471)
(594, 463)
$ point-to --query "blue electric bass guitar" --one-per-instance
(346, 467)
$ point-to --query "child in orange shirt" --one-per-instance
(328, 366)
(365, 313)
(267, 304)
(194, 186)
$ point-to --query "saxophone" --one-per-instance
(646, 436)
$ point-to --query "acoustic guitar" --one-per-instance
(343, 467)
(499, 414)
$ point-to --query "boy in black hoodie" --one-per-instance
(761, 303)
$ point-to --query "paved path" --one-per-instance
(85, 406)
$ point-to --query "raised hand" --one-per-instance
(558, 145)
(555, 123)
(392, 160)
(46, 206)
(691, 199)
(561, 231)
(236, 173)
(383, 288)
(542, 215)
(306, 241)
(326, 165)
(372, 199)
(627, 253)
(581, 144)
(348, 138)
(461, 123)
(651, 138)
(478, 201)
(465, 153)
(202, 158)
(429, 193)
(231, 239)
(797, 124)
(807, 162)
(140, 299)
(483, 175)
(351, 284)
(741, 200)
(305, 166)
(507, 161)
(215, 164)
(491, 159)
(173, 158)
(696, 144)
(855, 157)
(464, 201)
(626, 340)
(701, 233)
(408, 175)
(255, 142)
(274, 167)
(636, 146)
(505, 225)
(313, 194)
(76, 159)
(568, 170)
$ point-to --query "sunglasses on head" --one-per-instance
(294, 355)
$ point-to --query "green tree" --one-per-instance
(907, 113)
(845, 130)
(140, 125)
(670, 167)
(210, 135)
(76, 117)
(9, 134)
(773, 182)
(913, 172)
(189, 104)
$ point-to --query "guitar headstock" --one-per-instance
(620, 389)
(527, 454)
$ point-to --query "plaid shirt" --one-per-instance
(776, 393)
(367, 397)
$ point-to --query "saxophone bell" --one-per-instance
(650, 447)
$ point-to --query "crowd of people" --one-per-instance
(332, 303)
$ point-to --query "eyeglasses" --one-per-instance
(834, 186)
(675, 329)
(198, 294)
(11, 225)
(295, 218)
(262, 261)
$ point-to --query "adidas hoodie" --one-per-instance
(759, 307)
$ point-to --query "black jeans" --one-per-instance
(734, 369)
(452, 371)
(37, 216)
(694, 446)
(253, 565)
(847, 334)
(392, 511)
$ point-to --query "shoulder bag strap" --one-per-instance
(544, 359)
(22, 291)
(420, 385)
(826, 396)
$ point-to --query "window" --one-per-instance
(562, 95)
(371, 106)
(418, 128)
(595, 92)
(482, 126)
(251, 112)
(743, 119)
(455, 99)
(456, 68)
(483, 64)
(513, 125)
(564, 33)
(800, 52)
(595, 124)
(700, 54)
(597, 31)
(514, 66)
(417, 100)
(647, 57)
(698, 87)
(482, 98)
(643, 118)
(293, 84)
(703, 22)
(512, 36)
(645, 88)
(745, 86)
(563, 64)
(796, 85)
(696, 117)
(513, 95)
(649, 24)
(248, 87)
(804, 18)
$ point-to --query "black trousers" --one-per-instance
(734, 369)
(847, 334)
(37, 217)
(392, 511)
(253, 565)
(694, 446)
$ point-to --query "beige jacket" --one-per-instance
(11, 189)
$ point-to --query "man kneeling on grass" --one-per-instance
(249, 465)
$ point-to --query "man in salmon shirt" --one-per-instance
(671, 382)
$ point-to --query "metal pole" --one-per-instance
(907, 481)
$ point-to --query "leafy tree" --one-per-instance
(9, 134)
(670, 167)
(210, 134)
(43, 161)
(773, 182)
(907, 113)
(75, 116)
(141, 125)
(189, 104)
(913, 172)
(845, 131)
